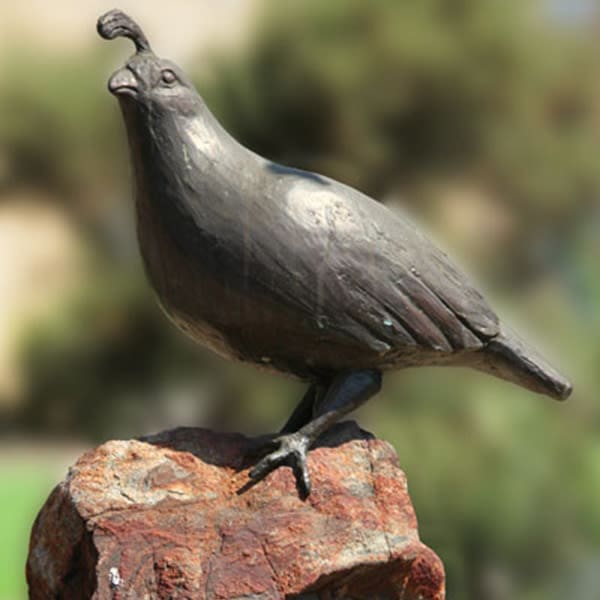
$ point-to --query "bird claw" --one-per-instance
(292, 448)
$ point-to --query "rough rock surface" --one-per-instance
(164, 518)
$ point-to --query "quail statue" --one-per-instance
(291, 270)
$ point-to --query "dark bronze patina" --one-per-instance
(291, 270)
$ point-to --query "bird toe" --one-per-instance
(292, 451)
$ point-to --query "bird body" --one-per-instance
(289, 269)
(293, 269)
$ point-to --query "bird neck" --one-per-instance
(180, 163)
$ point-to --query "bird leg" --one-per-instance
(348, 390)
(302, 414)
(305, 410)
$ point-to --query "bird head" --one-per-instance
(147, 81)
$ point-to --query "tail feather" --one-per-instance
(507, 356)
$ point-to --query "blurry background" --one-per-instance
(482, 118)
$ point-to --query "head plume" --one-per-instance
(116, 23)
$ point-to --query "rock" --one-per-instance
(168, 516)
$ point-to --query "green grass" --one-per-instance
(22, 493)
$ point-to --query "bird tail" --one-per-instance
(507, 356)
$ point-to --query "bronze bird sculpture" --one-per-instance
(291, 270)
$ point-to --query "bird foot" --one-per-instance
(292, 450)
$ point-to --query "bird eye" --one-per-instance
(168, 77)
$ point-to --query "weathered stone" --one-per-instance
(169, 517)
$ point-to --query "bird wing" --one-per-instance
(377, 277)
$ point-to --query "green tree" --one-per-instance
(392, 96)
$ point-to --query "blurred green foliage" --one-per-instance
(392, 97)
(21, 500)
(58, 133)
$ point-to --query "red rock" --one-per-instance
(163, 518)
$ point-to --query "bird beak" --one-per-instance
(123, 82)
